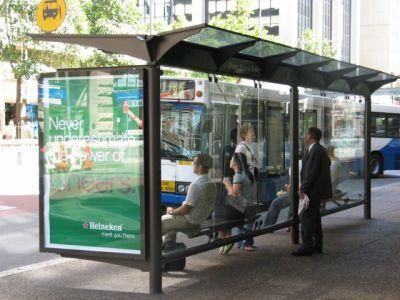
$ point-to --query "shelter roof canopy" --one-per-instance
(215, 50)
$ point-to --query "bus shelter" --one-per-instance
(117, 144)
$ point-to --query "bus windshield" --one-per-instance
(180, 130)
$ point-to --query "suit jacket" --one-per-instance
(316, 176)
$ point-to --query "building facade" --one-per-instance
(380, 36)
(335, 21)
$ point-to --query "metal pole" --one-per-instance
(294, 157)
(367, 158)
(152, 126)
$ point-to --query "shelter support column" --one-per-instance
(153, 171)
(294, 160)
(367, 158)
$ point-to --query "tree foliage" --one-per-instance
(19, 19)
(112, 16)
(240, 20)
(311, 43)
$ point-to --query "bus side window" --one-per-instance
(394, 126)
(206, 123)
(378, 124)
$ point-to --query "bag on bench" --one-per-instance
(239, 203)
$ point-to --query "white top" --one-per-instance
(247, 150)
(310, 147)
(337, 173)
(201, 198)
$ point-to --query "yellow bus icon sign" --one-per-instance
(50, 14)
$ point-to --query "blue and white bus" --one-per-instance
(385, 138)
(199, 116)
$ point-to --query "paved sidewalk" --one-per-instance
(20, 167)
(19, 232)
(361, 261)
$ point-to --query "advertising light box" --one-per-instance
(91, 162)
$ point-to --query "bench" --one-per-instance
(209, 228)
(336, 197)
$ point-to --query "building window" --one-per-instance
(327, 20)
(269, 16)
(167, 10)
(304, 16)
(346, 30)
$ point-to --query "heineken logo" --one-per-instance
(101, 226)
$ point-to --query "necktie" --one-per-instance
(306, 156)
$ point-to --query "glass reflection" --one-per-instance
(226, 119)
(341, 120)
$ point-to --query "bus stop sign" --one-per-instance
(50, 14)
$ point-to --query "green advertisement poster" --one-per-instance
(92, 160)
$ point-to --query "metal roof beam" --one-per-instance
(222, 54)
(331, 76)
(354, 81)
(159, 46)
(375, 85)
(132, 45)
(269, 64)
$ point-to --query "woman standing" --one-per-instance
(246, 147)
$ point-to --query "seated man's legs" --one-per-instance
(275, 208)
(171, 224)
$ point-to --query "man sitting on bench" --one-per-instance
(198, 205)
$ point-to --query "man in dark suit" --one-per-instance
(316, 184)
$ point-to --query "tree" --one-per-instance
(18, 18)
(111, 17)
(311, 43)
(240, 20)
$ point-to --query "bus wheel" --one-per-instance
(376, 165)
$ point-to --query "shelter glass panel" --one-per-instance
(341, 120)
(360, 72)
(265, 49)
(335, 65)
(243, 130)
(217, 38)
(304, 58)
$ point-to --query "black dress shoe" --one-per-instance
(302, 253)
